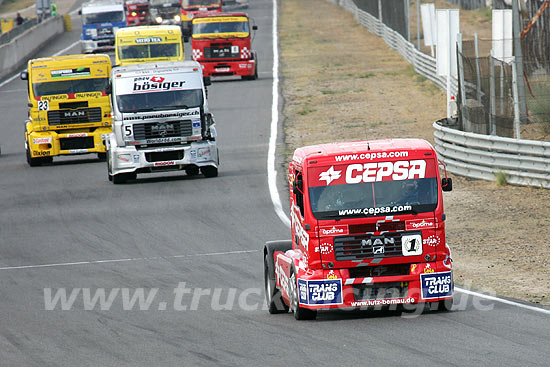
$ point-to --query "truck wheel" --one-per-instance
(445, 305)
(299, 312)
(102, 156)
(209, 171)
(119, 178)
(192, 171)
(33, 162)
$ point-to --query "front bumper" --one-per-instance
(90, 46)
(228, 68)
(54, 143)
(329, 289)
(130, 159)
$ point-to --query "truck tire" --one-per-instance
(123, 177)
(299, 312)
(209, 171)
(33, 162)
(192, 171)
(273, 297)
(102, 156)
(445, 305)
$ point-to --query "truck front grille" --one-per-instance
(163, 130)
(78, 116)
(174, 155)
(220, 51)
(76, 143)
(390, 290)
(360, 247)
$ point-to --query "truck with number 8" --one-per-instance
(367, 230)
(69, 109)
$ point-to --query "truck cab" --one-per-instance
(100, 21)
(148, 44)
(69, 109)
(221, 43)
(161, 121)
(137, 13)
(367, 230)
(190, 8)
(165, 12)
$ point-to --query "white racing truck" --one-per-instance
(161, 121)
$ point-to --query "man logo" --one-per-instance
(162, 129)
(74, 114)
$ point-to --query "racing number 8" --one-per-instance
(43, 105)
(128, 130)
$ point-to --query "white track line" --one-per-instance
(110, 261)
(272, 173)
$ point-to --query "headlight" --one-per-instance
(134, 14)
(158, 19)
(177, 18)
(91, 32)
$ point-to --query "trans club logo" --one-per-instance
(435, 285)
(320, 292)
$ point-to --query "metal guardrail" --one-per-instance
(523, 162)
(17, 30)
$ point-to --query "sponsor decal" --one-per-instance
(219, 19)
(196, 124)
(193, 154)
(370, 156)
(156, 84)
(165, 163)
(372, 172)
(148, 40)
(432, 240)
(40, 152)
(281, 277)
(428, 269)
(78, 135)
(419, 224)
(413, 268)
(332, 275)
(78, 151)
(89, 95)
(411, 245)
(70, 73)
(320, 292)
(303, 236)
(333, 230)
(161, 115)
(435, 285)
(325, 248)
(46, 140)
(329, 175)
(222, 70)
(53, 98)
(136, 158)
(383, 302)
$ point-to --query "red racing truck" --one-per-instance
(368, 230)
(221, 44)
(190, 8)
(137, 12)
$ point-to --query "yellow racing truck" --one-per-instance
(135, 45)
(69, 109)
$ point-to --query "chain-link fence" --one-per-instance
(394, 13)
(488, 100)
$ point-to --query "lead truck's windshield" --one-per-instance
(375, 190)
(213, 27)
(103, 17)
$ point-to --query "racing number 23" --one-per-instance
(43, 105)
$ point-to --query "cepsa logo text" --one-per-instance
(156, 83)
(375, 172)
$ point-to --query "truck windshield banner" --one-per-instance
(70, 73)
(371, 172)
(157, 83)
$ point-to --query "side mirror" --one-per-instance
(79, 11)
(185, 39)
(447, 184)
(298, 185)
(254, 27)
(24, 75)
(109, 89)
(207, 81)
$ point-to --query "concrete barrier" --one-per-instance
(14, 55)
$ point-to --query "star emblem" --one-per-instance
(329, 175)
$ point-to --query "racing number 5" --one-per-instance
(128, 130)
